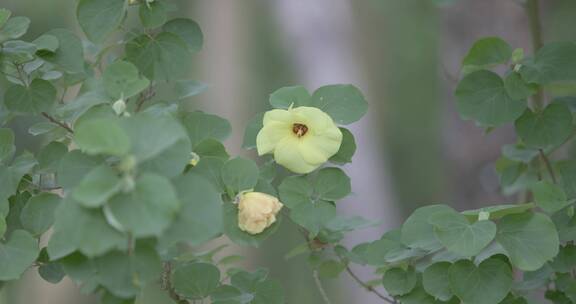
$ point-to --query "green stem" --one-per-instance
(320, 288)
(533, 12)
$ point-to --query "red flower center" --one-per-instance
(299, 129)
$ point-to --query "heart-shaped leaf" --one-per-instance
(487, 283)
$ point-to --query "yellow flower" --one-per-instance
(301, 138)
(257, 211)
(194, 159)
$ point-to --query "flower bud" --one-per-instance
(257, 211)
(194, 159)
(119, 106)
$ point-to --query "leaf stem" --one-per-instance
(533, 12)
(320, 288)
(167, 283)
(144, 96)
(547, 164)
(57, 122)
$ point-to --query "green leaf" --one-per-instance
(286, 97)
(122, 80)
(149, 209)
(481, 96)
(553, 62)
(74, 166)
(97, 187)
(38, 97)
(17, 254)
(488, 51)
(99, 18)
(517, 88)
(551, 198)
(459, 236)
(124, 275)
(331, 184)
(240, 174)
(252, 129)
(268, 292)
(102, 136)
(86, 230)
(347, 148)
(565, 262)
(162, 57)
(487, 283)
(187, 30)
(530, 239)
(189, 88)
(70, 55)
(418, 295)
(344, 103)
(547, 128)
(201, 126)
(398, 281)
(38, 213)
(567, 172)
(295, 191)
(195, 281)
(313, 217)
(51, 272)
(46, 43)
(230, 220)
(330, 269)
(211, 148)
(417, 232)
(4, 16)
(435, 281)
(498, 211)
(200, 218)
(153, 14)
(7, 147)
(14, 28)
(49, 157)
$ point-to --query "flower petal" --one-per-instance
(288, 154)
(270, 135)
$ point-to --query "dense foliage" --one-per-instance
(128, 184)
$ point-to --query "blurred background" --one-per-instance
(413, 149)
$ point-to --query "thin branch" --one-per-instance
(167, 283)
(546, 162)
(144, 96)
(320, 287)
(533, 12)
(368, 287)
(57, 122)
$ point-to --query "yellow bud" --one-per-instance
(257, 211)
(119, 106)
(301, 138)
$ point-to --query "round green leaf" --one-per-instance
(13, 28)
(488, 51)
(460, 236)
(530, 239)
(313, 217)
(240, 174)
(7, 147)
(70, 54)
(17, 254)
(295, 191)
(487, 283)
(74, 166)
(153, 15)
(102, 136)
(344, 103)
(545, 129)
(436, 282)
(268, 292)
(200, 218)
(331, 184)
(163, 57)
(398, 281)
(38, 97)
(286, 97)
(550, 197)
(38, 213)
(481, 96)
(122, 79)
(187, 30)
(97, 187)
(417, 232)
(201, 126)
(516, 87)
(149, 209)
(347, 148)
(195, 281)
(99, 18)
(555, 61)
